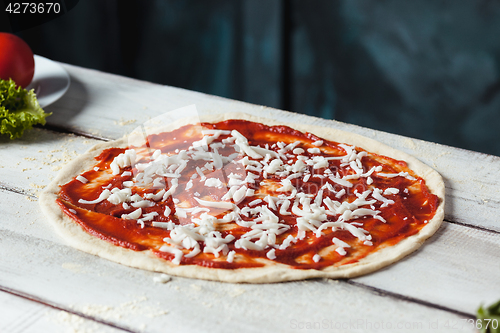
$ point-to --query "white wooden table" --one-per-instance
(47, 286)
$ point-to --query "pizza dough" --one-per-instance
(275, 272)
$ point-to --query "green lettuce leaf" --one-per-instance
(19, 109)
(489, 318)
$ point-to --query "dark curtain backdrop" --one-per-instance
(427, 69)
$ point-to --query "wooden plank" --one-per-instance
(48, 150)
(457, 268)
(27, 233)
(19, 314)
(130, 299)
(37, 143)
(110, 106)
(432, 275)
(35, 159)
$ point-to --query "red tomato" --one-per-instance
(16, 60)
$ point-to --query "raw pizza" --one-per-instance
(243, 199)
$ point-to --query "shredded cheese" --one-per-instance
(284, 173)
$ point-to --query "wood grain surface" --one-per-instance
(48, 286)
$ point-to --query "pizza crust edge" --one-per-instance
(78, 238)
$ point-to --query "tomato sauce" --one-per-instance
(410, 212)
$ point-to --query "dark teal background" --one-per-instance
(427, 69)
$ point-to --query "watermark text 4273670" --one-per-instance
(33, 7)
(24, 15)
(363, 324)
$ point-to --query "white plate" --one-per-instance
(50, 81)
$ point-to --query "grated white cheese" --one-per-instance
(120, 196)
(377, 194)
(314, 151)
(123, 160)
(214, 182)
(255, 202)
(287, 186)
(149, 216)
(315, 209)
(156, 196)
(318, 143)
(164, 225)
(230, 256)
(340, 181)
(271, 254)
(392, 175)
(298, 151)
(133, 216)
(142, 204)
(242, 143)
(341, 251)
(103, 196)
(178, 254)
(339, 242)
(215, 204)
(82, 179)
(391, 190)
